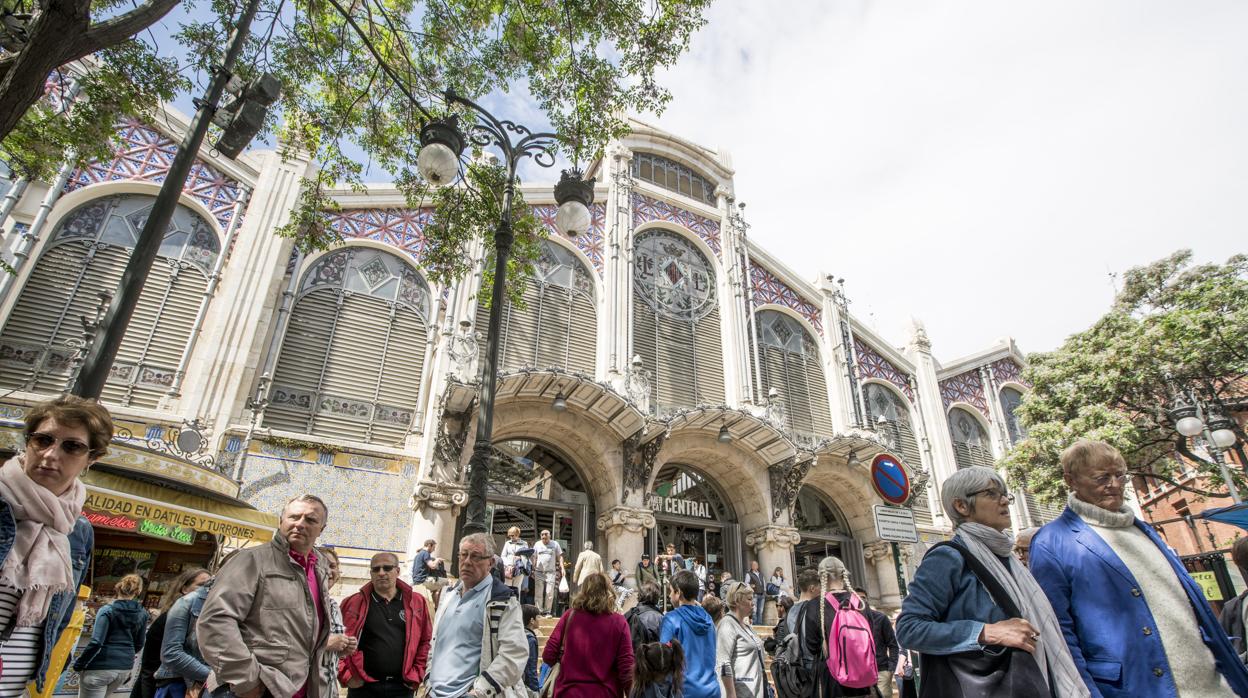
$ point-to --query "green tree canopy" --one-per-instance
(360, 77)
(1174, 326)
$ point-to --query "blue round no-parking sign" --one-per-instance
(890, 479)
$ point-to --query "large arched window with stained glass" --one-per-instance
(353, 355)
(676, 321)
(1011, 399)
(557, 327)
(86, 256)
(673, 176)
(788, 361)
(970, 439)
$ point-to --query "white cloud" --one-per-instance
(981, 166)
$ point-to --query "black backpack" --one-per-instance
(794, 679)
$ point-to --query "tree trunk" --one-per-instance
(60, 25)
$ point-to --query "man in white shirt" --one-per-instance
(547, 571)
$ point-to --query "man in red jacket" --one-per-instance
(393, 625)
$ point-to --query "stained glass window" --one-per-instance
(673, 176)
(672, 275)
(1010, 401)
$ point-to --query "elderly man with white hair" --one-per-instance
(981, 623)
(1133, 618)
(587, 563)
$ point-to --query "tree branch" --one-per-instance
(1188, 488)
(118, 29)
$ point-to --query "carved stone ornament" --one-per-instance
(918, 336)
(786, 479)
(631, 519)
(440, 496)
(773, 536)
(879, 551)
(448, 447)
(639, 460)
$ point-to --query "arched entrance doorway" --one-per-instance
(535, 488)
(825, 531)
(692, 513)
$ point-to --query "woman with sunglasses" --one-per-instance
(975, 614)
(338, 644)
(45, 543)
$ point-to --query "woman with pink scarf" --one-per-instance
(45, 543)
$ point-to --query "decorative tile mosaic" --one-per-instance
(768, 288)
(146, 154)
(965, 387)
(591, 243)
(1006, 371)
(646, 209)
(401, 227)
(382, 524)
(871, 364)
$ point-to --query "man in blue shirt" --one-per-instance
(689, 623)
(472, 655)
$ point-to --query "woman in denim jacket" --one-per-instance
(181, 663)
(41, 527)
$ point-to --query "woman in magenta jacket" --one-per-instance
(592, 645)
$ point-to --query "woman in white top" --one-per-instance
(45, 543)
(783, 588)
(513, 577)
(738, 649)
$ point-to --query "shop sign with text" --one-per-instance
(680, 507)
(146, 527)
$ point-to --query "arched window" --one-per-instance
(673, 176)
(558, 325)
(889, 414)
(354, 352)
(86, 256)
(788, 358)
(1010, 401)
(676, 322)
(970, 441)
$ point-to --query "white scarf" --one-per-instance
(989, 545)
(38, 564)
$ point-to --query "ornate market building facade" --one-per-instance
(667, 379)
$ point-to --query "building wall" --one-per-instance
(392, 485)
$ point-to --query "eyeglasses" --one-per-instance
(71, 447)
(993, 494)
(474, 556)
(1107, 478)
(384, 568)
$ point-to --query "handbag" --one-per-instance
(548, 686)
(772, 589)
(995, 671)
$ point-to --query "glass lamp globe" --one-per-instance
(1223, 438)
(572, 219)
(1190, 426)
(438, 164)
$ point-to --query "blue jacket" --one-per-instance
(946, 607)
(1102, 613)
(116, 637)
(81, 541)
(179, 653)
(691, 625)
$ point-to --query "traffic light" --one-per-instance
(242, 119)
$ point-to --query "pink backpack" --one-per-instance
(851, 648)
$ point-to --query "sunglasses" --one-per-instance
(71, 447)
(384, 568)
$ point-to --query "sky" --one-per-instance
(981, 166)
(984, 167)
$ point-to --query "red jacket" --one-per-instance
(415, 648)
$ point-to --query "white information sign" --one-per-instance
(895, 524)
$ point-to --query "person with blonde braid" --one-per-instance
(816, 619)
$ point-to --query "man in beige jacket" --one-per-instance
(265, 624)
(587, 563)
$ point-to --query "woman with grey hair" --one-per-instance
(981, 624)
(816, 622)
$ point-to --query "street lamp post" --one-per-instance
(1193, 418)
(441, 147)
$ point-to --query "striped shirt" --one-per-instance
(22, 649)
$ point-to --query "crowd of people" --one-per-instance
(1092, 604)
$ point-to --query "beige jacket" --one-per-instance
(259, 626)
(587, 563)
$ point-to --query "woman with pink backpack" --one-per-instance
(837, 634)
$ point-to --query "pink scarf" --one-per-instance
(38, 565)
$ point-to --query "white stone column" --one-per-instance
(935, 423)
(624, 528)
(885, 595)
(835, 356)
(773, 547)
(613, 318)
(436, 506)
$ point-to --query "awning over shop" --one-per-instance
(116, 496)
